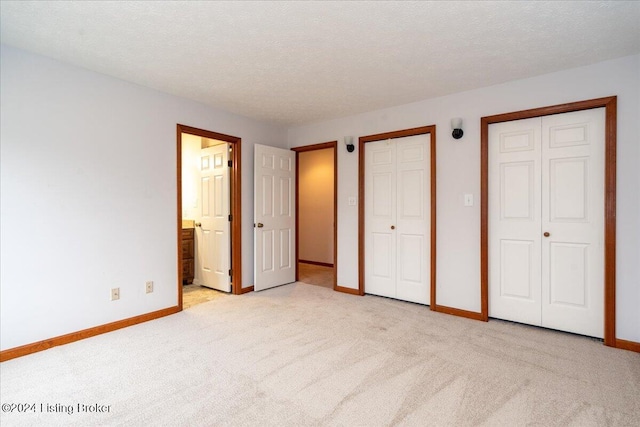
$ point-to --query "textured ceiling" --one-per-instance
(299, 62)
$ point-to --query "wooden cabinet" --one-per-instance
(188, 251)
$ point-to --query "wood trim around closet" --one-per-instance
(361, 201)
(314, 147)
(610, 105)
(628, 345)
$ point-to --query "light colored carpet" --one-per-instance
(302, 355)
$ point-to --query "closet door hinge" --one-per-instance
(230, 218)
(229, 163)
(230, 272)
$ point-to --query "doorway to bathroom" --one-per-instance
(209, 206)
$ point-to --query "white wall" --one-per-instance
(88, 195)
(458, 172)
(315, 205)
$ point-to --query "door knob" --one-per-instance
(198, 224)
(393, 227)
(260, 225)
(546, 234)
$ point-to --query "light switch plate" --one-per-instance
(352, 201)
(468, 199)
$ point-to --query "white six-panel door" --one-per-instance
(213, 234)
(274, 217)
(397, 218)
(380, 216)
(515, 221)
(573, 150)
(546, 221)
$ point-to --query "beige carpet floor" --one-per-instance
(301, 355)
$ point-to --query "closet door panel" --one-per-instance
(380, 214)
(514, 221)
(412, 228)
(573, 217)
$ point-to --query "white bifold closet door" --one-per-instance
(397, 218)
(546, 221)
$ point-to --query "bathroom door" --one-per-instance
(213, 232)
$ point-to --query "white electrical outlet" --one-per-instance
(149, 286)
(115, 294)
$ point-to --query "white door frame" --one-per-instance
(361, 202)
(610, 104)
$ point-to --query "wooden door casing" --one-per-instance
(610, 105)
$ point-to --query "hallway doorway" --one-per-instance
(316, 213)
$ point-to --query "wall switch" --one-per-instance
(468, 199)
(352, 201)
(115, 294)
(149, 286)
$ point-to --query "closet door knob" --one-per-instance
(393, 227)
(198, 224)
(546, 234)
(260, 225)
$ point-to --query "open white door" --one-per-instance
(274, 217)
(213, 231)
